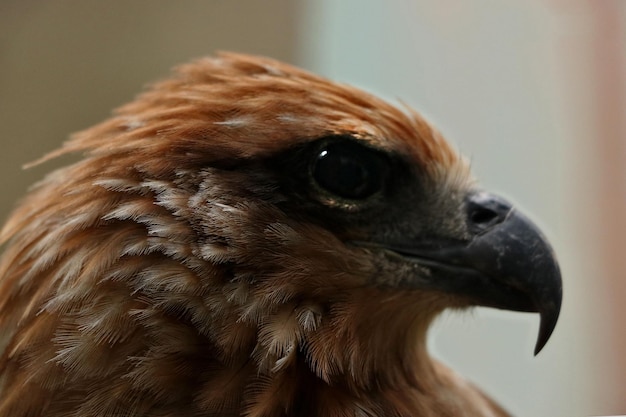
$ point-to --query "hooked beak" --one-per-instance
(506, 264)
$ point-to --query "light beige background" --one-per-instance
(532, 91)
(64, 65)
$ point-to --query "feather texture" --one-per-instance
(157, 277)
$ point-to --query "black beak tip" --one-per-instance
(549, 296)
(546, 327)
(548, 319)
(549, 314)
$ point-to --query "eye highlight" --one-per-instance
(349, 170)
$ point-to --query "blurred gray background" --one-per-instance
(533, 91)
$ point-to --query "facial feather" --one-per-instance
(183, 267)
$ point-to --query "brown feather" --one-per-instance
(145, 280)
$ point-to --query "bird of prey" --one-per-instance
(249, 239)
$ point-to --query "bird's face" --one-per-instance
(371, 227)
(280, 216)
(429, 233)
(388, 222)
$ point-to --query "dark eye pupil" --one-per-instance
(349, 170)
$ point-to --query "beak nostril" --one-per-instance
(482, 215)
(485, 211)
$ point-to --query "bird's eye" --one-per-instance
(349, 170)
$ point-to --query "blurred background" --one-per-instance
(534, 92)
